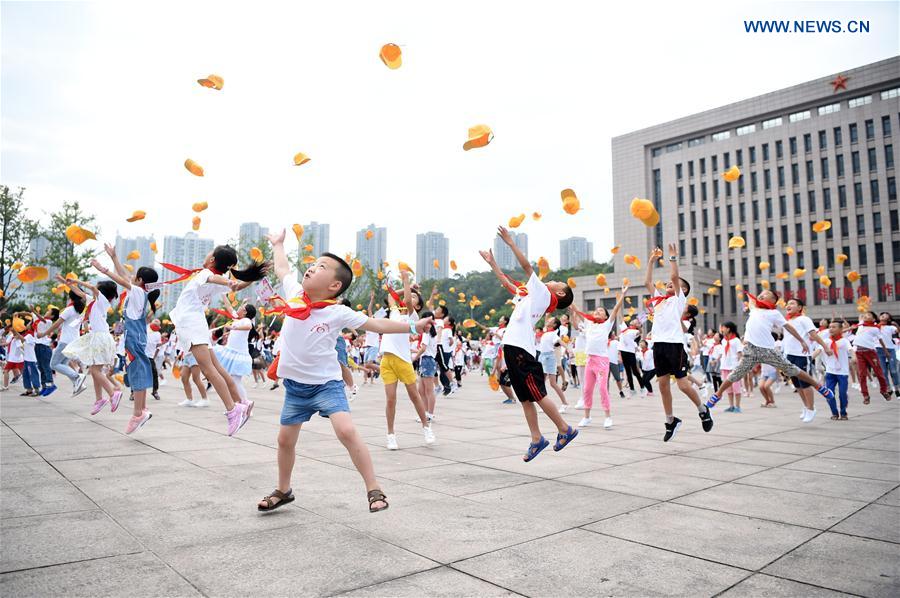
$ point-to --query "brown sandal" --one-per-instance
(865, 400)
(835, 418)
(377, 496)
(283, 499)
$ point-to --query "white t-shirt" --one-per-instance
(760, 323)
(646, 359)
(563, 331)
(68, 330)
(197, 295)
(528, 310)
(308, 353)
(667, 318)
(887, 335)
(134, 302)
(867, 337)
(29, 348)
(613, 351)
(729, 359)
(715, 353)
(706, 346)
(237, 339)
(43, 325)
(120, 345)
(430, 343)
(597, 336)
(398, 344)
(803, 325)
(548, 341)
(15, 351)
(97, 317)
(153, 340)
(840, 362)
(459, 358)
(580, 338)
(627, 339)
(490, 351)
(372, 339)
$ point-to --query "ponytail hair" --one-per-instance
(108, 289)
(77, 301)
(225, 259)
(152, 296)
(253, 272)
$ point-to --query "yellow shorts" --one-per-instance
(393, 369)
(580, 359)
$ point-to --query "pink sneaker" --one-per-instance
(248, 404)
(114, 401)
(98, 406)
(236, 418)
(137, 421)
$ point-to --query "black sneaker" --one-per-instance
(706, 421)
(672, 428)
(621, 395)
(155, 395)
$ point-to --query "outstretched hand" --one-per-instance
(487, 255)
(110, 250)
(656, 254)
(673, 250)
(503, 233)
(423, 323)
(276, 238)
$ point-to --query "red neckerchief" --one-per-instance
(184, 273)
(760, 303)
(154, 327)
(654, 301)
(644, 352)
(792, 316)
(823, 328)
(300, 312)
(522, 291)
(223, 313)
(834, 346)
(869, 324)
(396, 297)
(121, 300)
(590, 318)
(87, 311)
(502, 326)
(728, 338)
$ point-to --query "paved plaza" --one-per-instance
(761, 506)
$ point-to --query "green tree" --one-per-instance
(63, 256)
(18, 230)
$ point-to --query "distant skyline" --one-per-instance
(101, 105)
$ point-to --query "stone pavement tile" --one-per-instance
(574, 505)
(609, 453)
(815, 434)
(442, 581)
(856, 469)
(881, 522)
(463, 435)
(748, 457)
(649, 484)
(57, 496)
(776, 446)
(29, 473)
(881, 442)
(711, 469)
(461, 478)
(718, 537)
(590, 564)
(765, 586)
(19, 454)
(450, 529)
(656, 444)
(123, 466)
(464, 451)
(321, 559)
(795, 508)
(390, 461)
(845, 563)
(143, 574)
(891, 498)
(217, 457)
(62, 538)
(201, 439)
(868, 455)
(548, 465)
(822, 484)
(91, 450)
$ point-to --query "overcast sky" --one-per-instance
(100, 104)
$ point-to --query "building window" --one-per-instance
(826, 199)
(842, 196)
(876, 222)
(862, 260)
(739, 157)
(692, 194)
(823, 140)
(870, 129)
(681, 247)
(753, 182)
(756, 242)
(702, 166)
(838, 137)
(767, 179)
(680, 222)
(772, 122)
(719, 250)
(693, 220)
(798, 116)
(895, 223)
(823, 164)
(680, 192)
(860, 225)
(769, 208)
(765, 152)
(840, 164)
(792, 144)
(746, 129)
(755, 210)
(678, 172)
(886, 126)
(715, 163)
(726, 161)
(892, 190)
(889, 156)
(715, 184)
(854, 133)
(705, 215)
(673, 147)
(729, 215)
(811, 200)
(717, 221)
(770, 235)
(705, 241)
(857, 193)
(873, 160)
(795, 174)
(829, 256)
(721, 135)
(703, 191)
(691, 168)
(727, 189)
(782, 206)
(830, 108)
(797, 208)
(809, 171)
(656, 152)
(807, 143)
(874, 191)
(854, 161)
(845, 229)
(694, 246)
(890, 93)
(860, 101)
(753, 149)
(780, 177)
(695, 141)
(784, 238)
(895, 249)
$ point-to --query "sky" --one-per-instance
(100, 104)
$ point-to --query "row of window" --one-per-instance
(778, 121)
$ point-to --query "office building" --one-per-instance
(504, 255)
(432, 246)
(188, 251)
(317, 235)
(125, 246)
(251, 234)
(372, 252)
(821, 150)
(575, 251)
(38, 249)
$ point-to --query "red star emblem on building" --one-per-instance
(840, 82)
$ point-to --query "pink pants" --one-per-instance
(597, 370)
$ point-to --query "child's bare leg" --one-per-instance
(347, 375)
(390, 405)
(532, 420)
(101, 384)
(413, 392)
(204, 359)
(806, 395)
(198, 381)
(287, 443)
(140, 402)
(550, 409)
(808, 379)
(186, 382)
(688, 389)
(665, 392)
(551, 380)
(356, 448)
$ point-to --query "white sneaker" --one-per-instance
(78, 388)
(162, 381)
(803, 414)
(563, 408)
(355, 390)
(430, 417)
(187, 403)
(256, 385)
(585, 421)
(429, 435)
(643, 392)
(630, 393)
(810, 415)
(579, 404)
(607, 423)
(392, 442)
(201, 403)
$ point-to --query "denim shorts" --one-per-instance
(302, 401)
(548, 362)
(341, 348)
(427, 367)
(371, 355)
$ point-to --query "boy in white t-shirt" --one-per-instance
(837, 369)
(759, 346)
(868, 338)
(532, 301)
(309, 368)
(669, 355)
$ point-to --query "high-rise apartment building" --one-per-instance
(188, 251)
(504, 255)
(575, 251)
(432, 246)
(372, 252)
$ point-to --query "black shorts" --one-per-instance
(504, 379)
(802, 363)
(670, 360)
(525, 374)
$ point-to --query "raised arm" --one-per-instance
(488, 257)
(120, 269)
(70, 283)
(815, 336)
(385, 326)
(407, 288)
(124, 281)
(279, 257)
(429, 304)
(651, 263)
(618, 307)
(520, 257)
(673, 261)
(372, 301)
(793, 332)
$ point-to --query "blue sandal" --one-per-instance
(535, 448)
(563, 440)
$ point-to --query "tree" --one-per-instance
(15, 244)
(63, 256)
